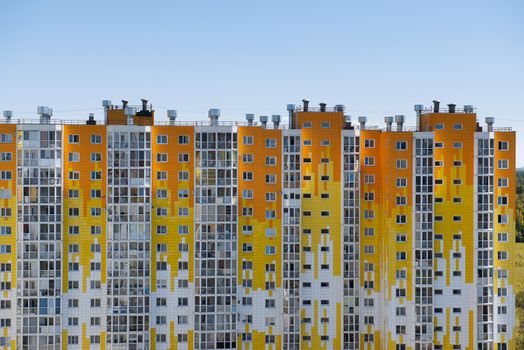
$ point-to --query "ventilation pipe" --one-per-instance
(45, 114)
(468, 108)
(451, 107)
(389, 121)
(275, 118)
(106, 104)
(305, 105)
(339, 108)
(144, 104)
(291, 111)
(213, 114)
(91, 120)
(171, 115)
(8, 115)
(436, 106)
(124, 104)
(322, 106)
(418, 111)
(490, 121)
(399, 119)
(263, 120)
(362, 120)
(250, 117)
(130, 113)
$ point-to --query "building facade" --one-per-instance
(315, 234)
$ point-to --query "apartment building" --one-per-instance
(318, 233)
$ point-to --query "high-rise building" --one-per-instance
(317, 233)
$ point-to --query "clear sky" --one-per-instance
(376, 57)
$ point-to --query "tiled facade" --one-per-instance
(317, 234)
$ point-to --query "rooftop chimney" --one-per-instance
(468, 109)
(8, 115)
(490, 121)
(130, 113)
(91, 120)
(305, 105)
(144, 104)
(45, 114)
(436, 106)
(250, 117)
(171, 115)
(263, 120)
(389, 121)
(275, 118)
(339, 108)
(399, 119)
(362, 120)
(322, 106)
(213, 114)
(418, 111)
(451, 107)
(290, 111)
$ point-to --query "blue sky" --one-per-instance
(376, 57)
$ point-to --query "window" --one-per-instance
(247, 176)
(182, 230)
(308, 143)
(369, 231)
(96, 175)
(369, 249)
(6, 138)
(457, 126)
(96, 157)
(306, 125)
(74, 175)
(457, 144)
(502, 200)
(325, 125)
(161, 175)
(402, 163)
(96, 193)
(271, 161)
(161, 193)
(503, 182)
(183, 157)
(402, 145)
(6, 156)
(96, 139)
(503, 237)
(369, 143)
(271, 196)
(402, 182)
(457, 163)
(439, 126)
(73, 157)
(183, 175)
(369, 179)
(402, 200)
(5, 230)
(324, 143)
(247, 140)
(271, 179)
(247, 194)
(401, 256)
(401, 238)
(182, 194)
(503, 145)
(503, 164)
(5, 249)
(401, 219)
(270, 232)
(161, 157)
(96, 230)
(5, 175)
(270, 214)
(502, 255)
(247, 211)
(161, 139)
(183, 211)
(271, 143)
(183, 139)
(74, 138)
(369, 161)
(439, 144)
(502, 219)
(247, 158)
